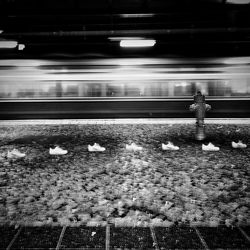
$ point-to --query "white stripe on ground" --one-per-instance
(201, 239)
(14, 238)
(61, 237)
(244, 233)
(124, 121)
(107, 243)
(154, 238)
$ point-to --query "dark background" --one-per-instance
(76, 28)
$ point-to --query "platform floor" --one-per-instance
(150, 187)
(204, 189)
(110, 237)
(125, 121)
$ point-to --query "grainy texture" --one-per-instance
(6, 235)
(84, 237)
(224, 238)
(177, 238)
(150, 187)
(131, 238)
(37, 237)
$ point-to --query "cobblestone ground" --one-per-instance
(148, 187)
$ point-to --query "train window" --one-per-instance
(134, 89)
(20, 90)
(115, 90)
(164, 89)
(200, 86)
(240, 86)
(153, 89)
(183, 88)
(91, 89)
(94, 90)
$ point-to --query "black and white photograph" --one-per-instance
(124, 124)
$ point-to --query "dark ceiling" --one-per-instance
(77, 28)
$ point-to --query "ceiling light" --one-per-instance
(21, 46)
(1, 31)
(137, 15)
(238, 1)
(8, 44)
(137, 43)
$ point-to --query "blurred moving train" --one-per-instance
(122, 87)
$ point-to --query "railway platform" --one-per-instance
(121, 199)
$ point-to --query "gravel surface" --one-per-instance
(148, 187)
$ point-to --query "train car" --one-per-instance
(122, 87)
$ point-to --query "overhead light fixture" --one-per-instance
(21, 46)
(1, 31)
(137, 43)
(7, 44)
(137, 15)
(238, 1)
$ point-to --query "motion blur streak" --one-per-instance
(124, 77)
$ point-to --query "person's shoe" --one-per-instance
(238, 145)
(210, 147)
(57, 151)
(133, 147)
(96, 148)
(15, 154)
(169, 146)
